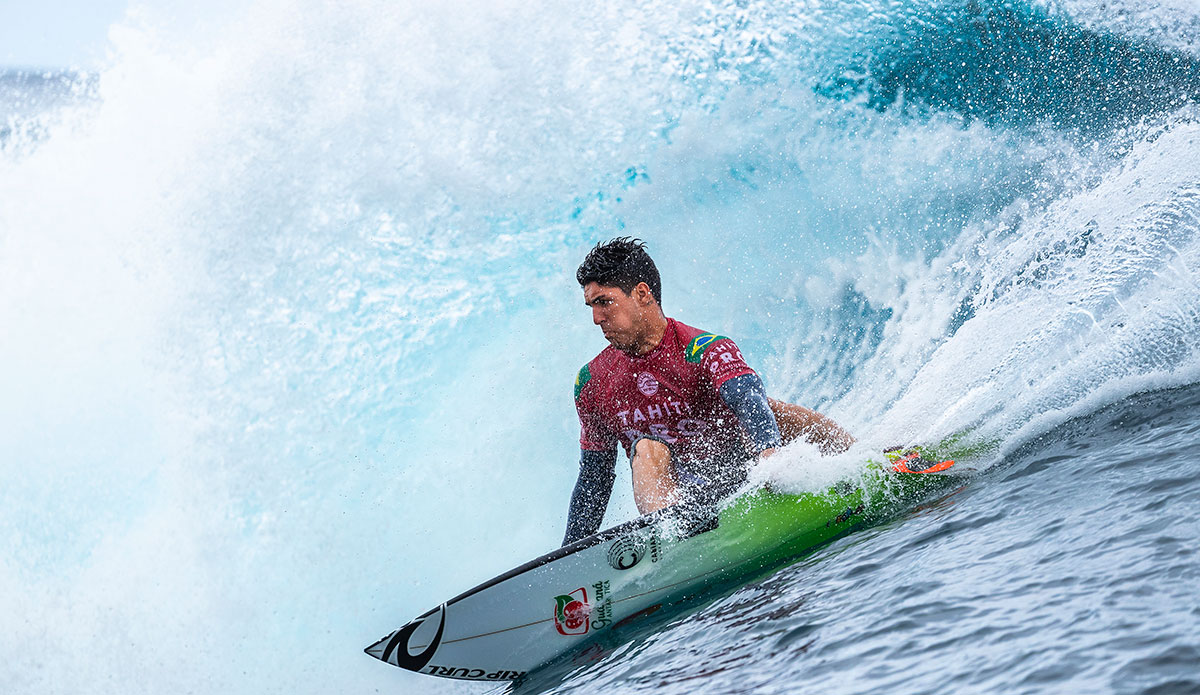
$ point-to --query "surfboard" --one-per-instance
(553, 604)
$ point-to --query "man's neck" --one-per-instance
(656, 328)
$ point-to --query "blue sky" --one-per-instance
(56, 33)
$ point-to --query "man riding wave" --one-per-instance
(689, 412)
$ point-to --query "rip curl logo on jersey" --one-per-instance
(571, 612)
(626, 552)
(647, 384)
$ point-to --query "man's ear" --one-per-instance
(644, 295)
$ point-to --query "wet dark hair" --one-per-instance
(621, 262)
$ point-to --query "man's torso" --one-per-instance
(671, 394)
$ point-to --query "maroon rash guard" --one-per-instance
(671, 394)
(693, 392)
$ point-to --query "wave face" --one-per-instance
(291, 320)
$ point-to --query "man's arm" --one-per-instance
(597, 470)
(765, 420)
(799, 422)
(747, 398)
(770, 423)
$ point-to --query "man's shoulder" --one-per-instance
(601, 366)
(696, 342)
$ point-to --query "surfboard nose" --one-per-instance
(394, 649)
(376, 649)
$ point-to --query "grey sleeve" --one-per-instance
(597, 470)
(747, 397)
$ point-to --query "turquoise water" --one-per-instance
(291, 325)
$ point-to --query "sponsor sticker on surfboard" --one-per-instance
(571, 612)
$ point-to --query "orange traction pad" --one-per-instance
(901, 465)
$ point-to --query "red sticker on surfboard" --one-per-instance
(571, 612)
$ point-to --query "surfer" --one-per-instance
(687, 409)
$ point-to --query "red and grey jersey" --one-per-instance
(694, 392)
(671, 393)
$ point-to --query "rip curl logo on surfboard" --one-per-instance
(571, 612)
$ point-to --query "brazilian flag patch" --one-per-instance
(581, 379)
(695, 349)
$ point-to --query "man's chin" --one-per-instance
(618, 343)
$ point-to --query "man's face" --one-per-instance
(618, 315)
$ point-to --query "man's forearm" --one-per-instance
(798, 422)
(589, 500)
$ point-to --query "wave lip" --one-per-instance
(1018, 64)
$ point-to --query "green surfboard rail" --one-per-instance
(768, 527)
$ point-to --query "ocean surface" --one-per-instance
(290, 327)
